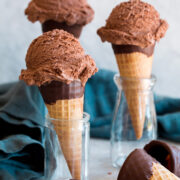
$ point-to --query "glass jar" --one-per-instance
(134, 121)
(67, 148)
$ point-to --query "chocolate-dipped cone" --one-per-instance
(65, 105)
(135, 62)
(167, 155)
(139, 165)
(133, 28)
(58, 65)
(74, 29)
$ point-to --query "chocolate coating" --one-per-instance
(57, 90)
(124, 49)
(138, 165)
(74, 29)
(161, 150)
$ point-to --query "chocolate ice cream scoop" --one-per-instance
(133, 23)
(69, 11)
(57, 56)
(167, 155)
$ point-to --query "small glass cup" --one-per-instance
(56, 166)
(139, 92)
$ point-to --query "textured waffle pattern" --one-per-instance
(136, 101)
(66, 109)
(69, 131)
(135, 65)
(161, 173)
(70, 136)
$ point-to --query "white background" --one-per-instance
(16, 33)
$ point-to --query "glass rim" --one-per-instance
(84, 119)
(152, 78)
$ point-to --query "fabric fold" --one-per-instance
(22, 141)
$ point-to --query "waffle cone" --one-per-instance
(69, 131)
(135, 65)
(161, 173)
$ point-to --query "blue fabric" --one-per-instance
(168, 116)
(100, 98)
(21, 132)
(22, 142)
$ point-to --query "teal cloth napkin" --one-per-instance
(22, 141)
(21, 132)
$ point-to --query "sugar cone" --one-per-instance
(65, 106)
(161, 173)
(135, 65)
(69, 131)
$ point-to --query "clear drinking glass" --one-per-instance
(138, 94)
(56, 166)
